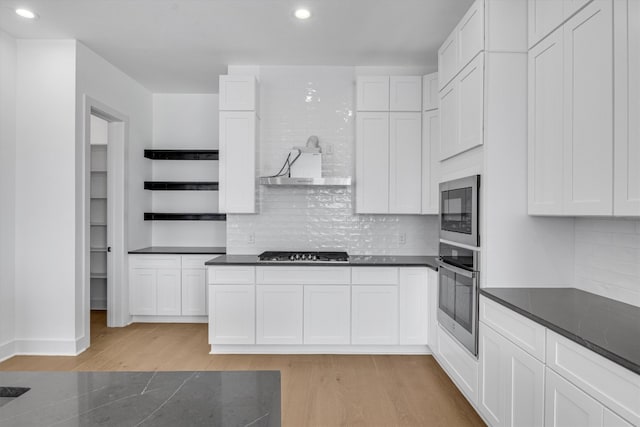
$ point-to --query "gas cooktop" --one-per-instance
(276, 256)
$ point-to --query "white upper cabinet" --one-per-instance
(463, 44)
(405, 93)
(448, 121)
(372, 93)
(470, 34)
(627, 108)
(238, 93)
(372, 162)
(545, 126)
(571, 114)
(405, 163)
(430, 161)
(430, 92)
(238, 145)
(547, 15)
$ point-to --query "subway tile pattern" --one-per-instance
(297, 102)
(607, 258)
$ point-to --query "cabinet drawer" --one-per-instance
(527, 334)
(303, 275)
(154, 261)
(374, 276)
(461, 366)
(196, 261)
(606, 381)
(231, 275)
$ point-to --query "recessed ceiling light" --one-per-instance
(302, 13)
(26, 13)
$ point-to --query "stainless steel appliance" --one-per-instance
(460, 210)
(276, 256)
(458, 293)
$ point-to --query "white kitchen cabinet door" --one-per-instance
(447, 60)
(194, 292)
(405, 159)
(546, 123)
(372, 93)
(588, 111)
(327, 314)
(232, 315)
(568, 406)
(238, 93)
(142, 289)
(279, 314)
(374, 315)
(237, 168)
(414, 306)
(611, 419)
(572, 6)
(430, 161)
(627, 108)
(448, 121)
(511, 382)
(372, 163)
(544, 16)
(470, 116)
(430, 92)
(470, 34)
(432, 284)
(405, 93)
(168, 292)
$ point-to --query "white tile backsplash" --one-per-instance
(607, 258)
(296, 102)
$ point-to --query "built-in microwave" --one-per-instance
(459, 211)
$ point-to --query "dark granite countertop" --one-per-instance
(238, 398)
(181, 250)
(605, 326)
(354, 261)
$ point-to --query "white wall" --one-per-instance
(45, 197)
(296, 102)
(182, 121)
(100, 80)
(607, 258)
(7, 191)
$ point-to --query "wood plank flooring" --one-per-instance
(317, 390)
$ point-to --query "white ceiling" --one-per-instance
(181, 46)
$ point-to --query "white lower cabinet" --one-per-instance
(168, 292)
(511, 386)
(374, 315)
(568, 406)
(194, 294)
(158, 286)
(232, 314)
(414, 306)
(279, 314)
(327, 310)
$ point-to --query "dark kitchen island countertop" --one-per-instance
(354, 261)
(237, 398)
(603, 325)
(181, 250)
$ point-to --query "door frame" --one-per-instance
(117, 208)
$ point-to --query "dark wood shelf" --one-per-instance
(155, 216)
(181, 154)
(180, 186)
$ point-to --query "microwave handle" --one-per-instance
(457, 270)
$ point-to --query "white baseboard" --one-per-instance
(7, 350)
(169, 319)
(46, 347)
(320, 349)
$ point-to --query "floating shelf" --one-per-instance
(181, 154)
(98, 249)
(152, 216)
(98, 224)
(331, 181)
(98, 275)
(180, 186)
(98, 198)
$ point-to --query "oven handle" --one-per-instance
(457, 270)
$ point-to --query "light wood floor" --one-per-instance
(317, 390)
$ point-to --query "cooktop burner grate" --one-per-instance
(278, 256)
